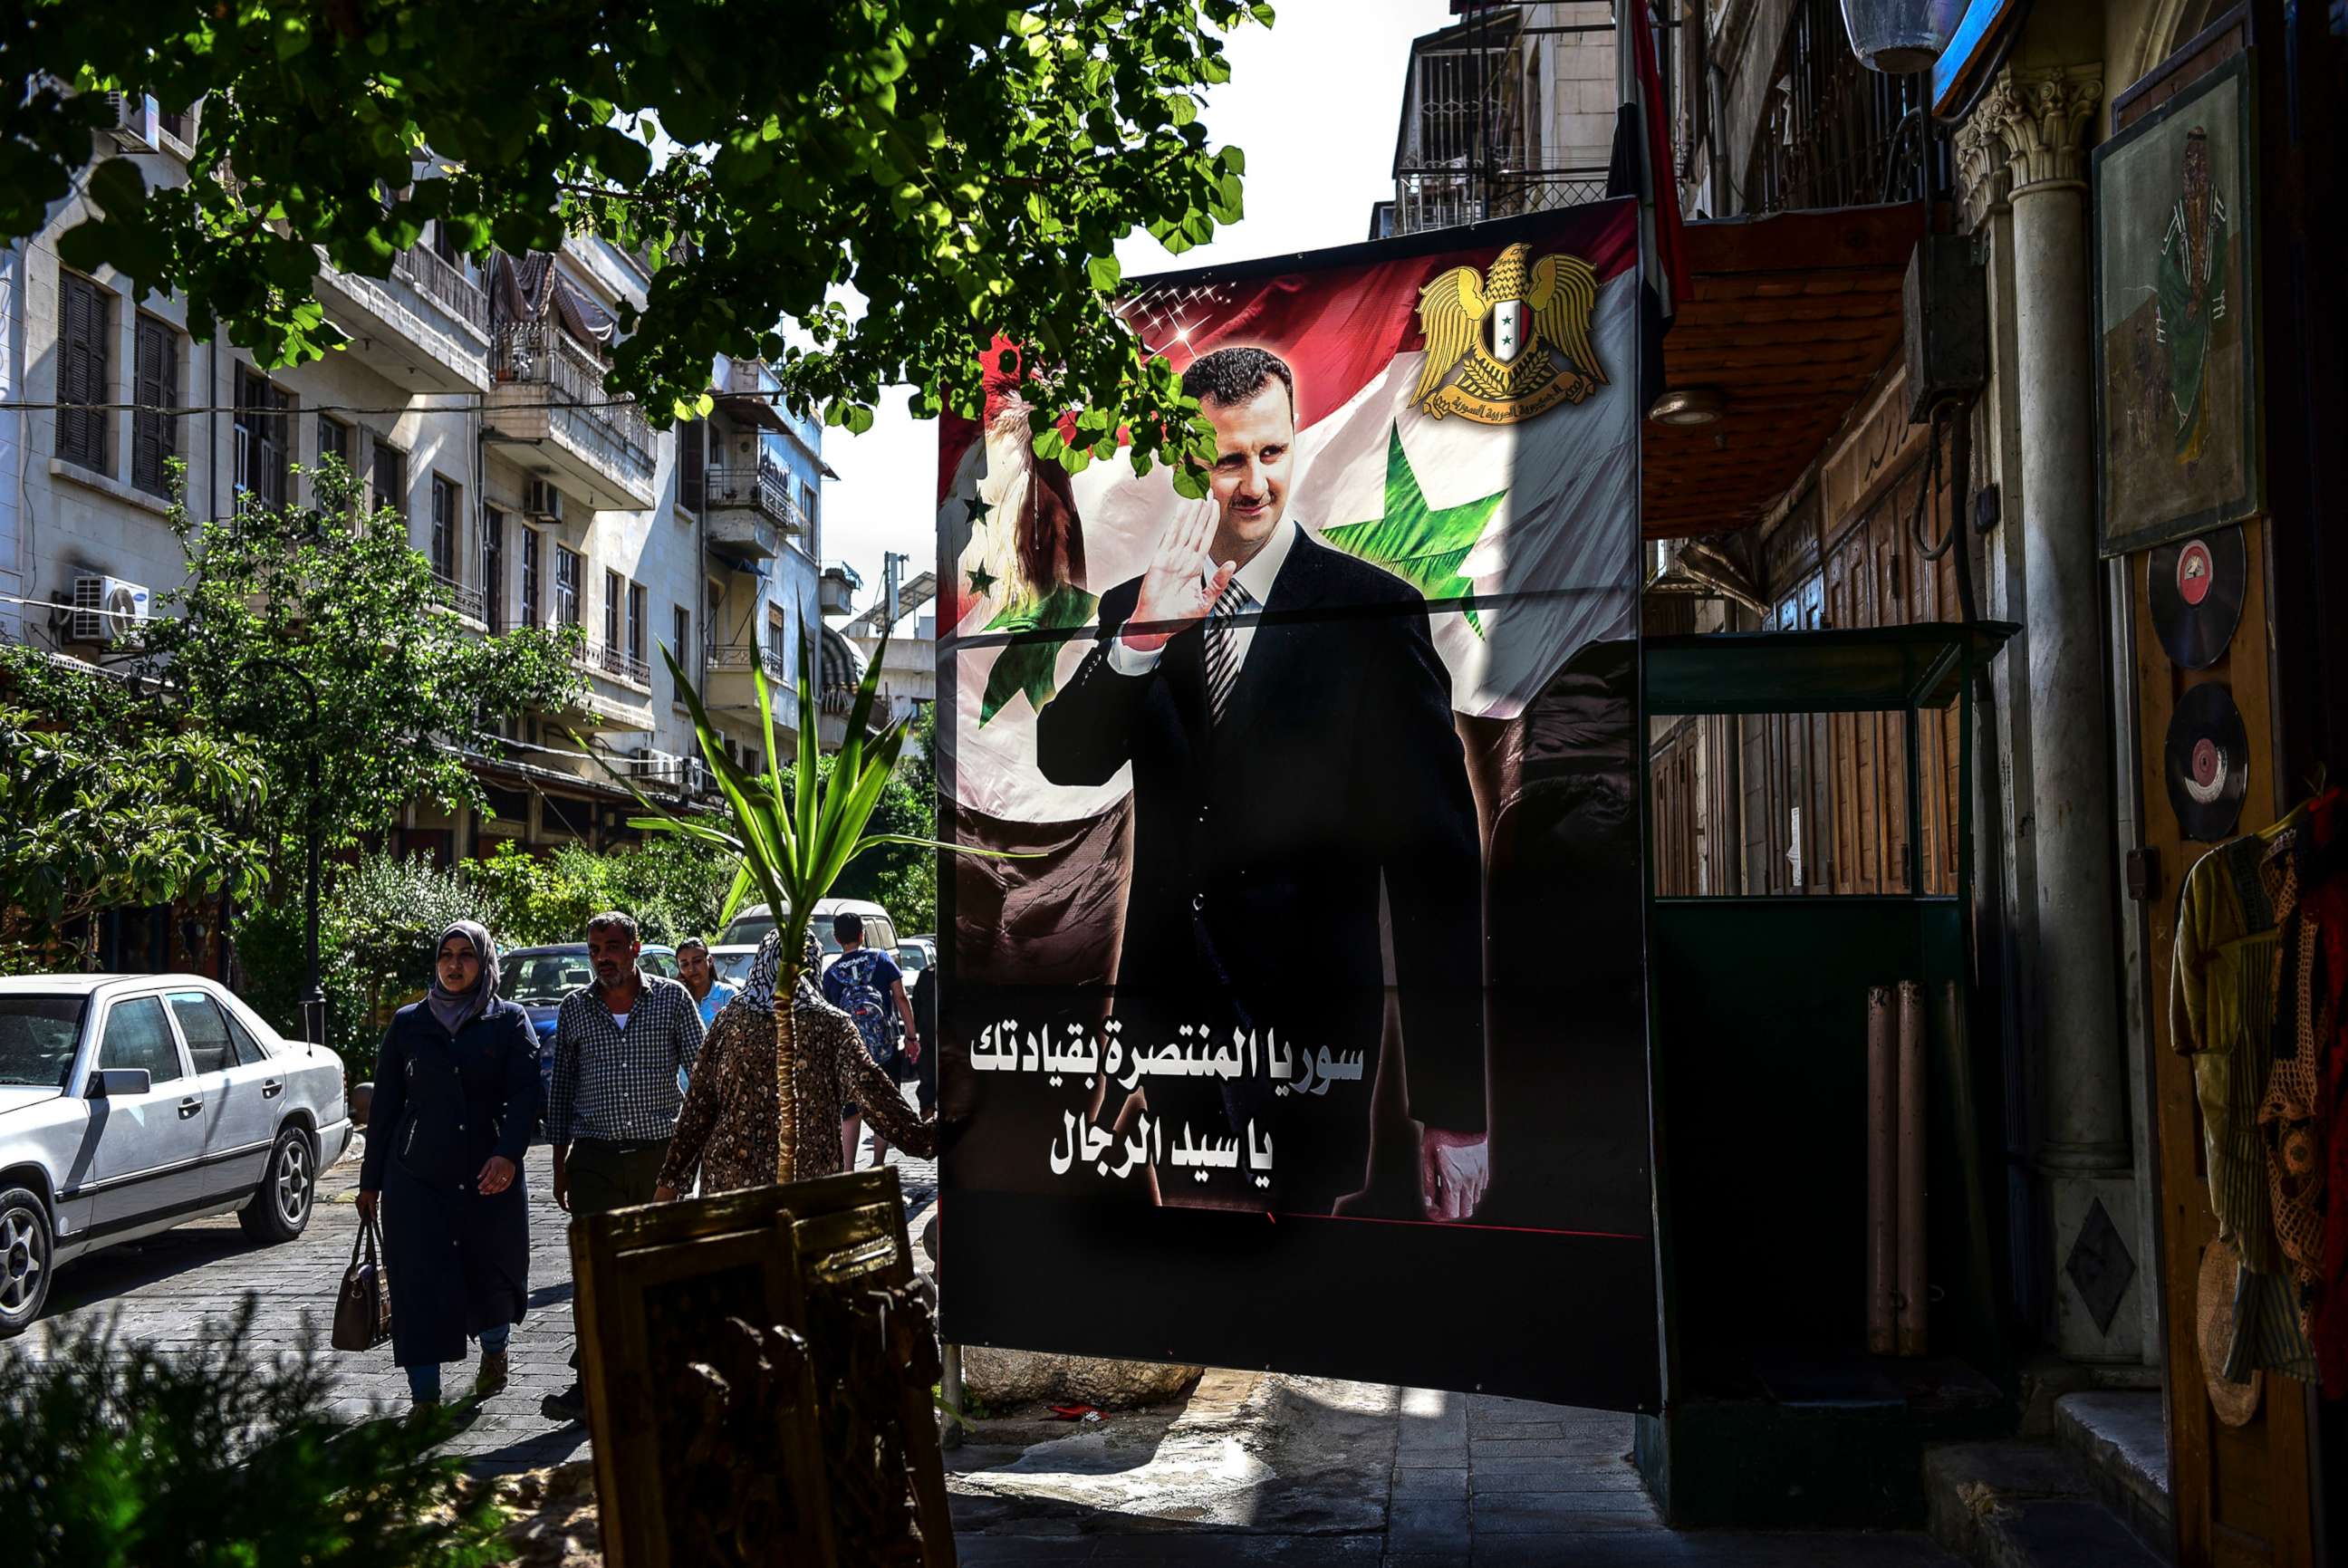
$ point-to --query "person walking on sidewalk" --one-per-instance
(866, 983)
(456, 1098)
(730, 1132)
(619, 1047)
(699, 976)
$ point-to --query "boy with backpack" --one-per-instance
(863, 983)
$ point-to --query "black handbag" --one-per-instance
(362, 1310)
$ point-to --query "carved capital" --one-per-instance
(2042, 116)
(1984, 181)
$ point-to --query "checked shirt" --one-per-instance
(615, 1084)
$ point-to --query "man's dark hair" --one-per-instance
(847, 927)
(612, 918)
(1233, 375)
(691, 944)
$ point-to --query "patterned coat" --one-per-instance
(730, 1128)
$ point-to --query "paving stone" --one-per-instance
(1562, 1513)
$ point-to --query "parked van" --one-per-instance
(752, 925)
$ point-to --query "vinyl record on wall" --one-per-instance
(2196, 587)
(2207, 763)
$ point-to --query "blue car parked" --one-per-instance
(537, 978)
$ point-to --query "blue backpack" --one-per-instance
(853, 984)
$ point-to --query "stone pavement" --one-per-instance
(1252, 1468)
(165, 1287)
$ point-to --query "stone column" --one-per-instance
(2040, 118)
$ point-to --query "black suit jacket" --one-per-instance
(1260, 844)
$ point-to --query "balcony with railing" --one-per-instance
(1442, 198)
(730, 686)
(444, 282)
(427, 325)
(546, 389)
(749, 510)
(469, 603)
(615, 663)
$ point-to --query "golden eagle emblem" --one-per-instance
(1503, 332)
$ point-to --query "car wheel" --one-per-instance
(24, 1259)
(280, 1210)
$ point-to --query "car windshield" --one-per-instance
(37, 1035)
(542, 979)
(911, 958)
(734, 967)
(753, 929)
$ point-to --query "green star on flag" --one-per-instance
(982, 581)
(1424, 545)
(1032, 667)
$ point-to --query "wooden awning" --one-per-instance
(1789, 317)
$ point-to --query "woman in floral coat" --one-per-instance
(742, 1128)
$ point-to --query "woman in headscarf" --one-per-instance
(456, 1100)
(740, 1128)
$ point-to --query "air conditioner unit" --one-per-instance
(136, 119)
(542, 502)
(107, 609)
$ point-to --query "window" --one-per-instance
(388, 479)
(611, 610)
(680, 631)
(264, 453)
(85, 371)
(493, 566)
(200, 1025)
(636, 621)
(444, 243)
(445, 523)
(250, 1051)
(137, 1037)
(179, 124)
(566, 585)
(334, 441)
(692, 463)
(777, 632)
(155, 434)
(529, 577)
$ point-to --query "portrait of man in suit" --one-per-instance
(1304, 836)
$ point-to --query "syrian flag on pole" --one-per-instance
(1642, 157)
(1466, 419)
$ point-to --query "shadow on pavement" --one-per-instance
(118, 1271)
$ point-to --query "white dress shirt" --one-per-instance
(1257, 577)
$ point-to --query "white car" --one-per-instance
(131, 1103)
(749, 927)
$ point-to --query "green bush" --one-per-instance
(116, 1454)
(674, 889)
(377, 926)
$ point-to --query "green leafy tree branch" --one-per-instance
(963, 167)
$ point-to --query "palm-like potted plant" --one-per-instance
(792, 838)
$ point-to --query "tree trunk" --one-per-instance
(787, 1056)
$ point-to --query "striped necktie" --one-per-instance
(1222, 644)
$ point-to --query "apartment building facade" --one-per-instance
(470, 399)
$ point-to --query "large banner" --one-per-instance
(1310, 1030)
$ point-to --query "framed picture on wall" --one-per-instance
(2176, 430)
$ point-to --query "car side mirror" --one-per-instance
(107, 1083)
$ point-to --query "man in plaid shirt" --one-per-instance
(621, 1047)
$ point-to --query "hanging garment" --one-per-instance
(2222, 1015)
(2299, 1118)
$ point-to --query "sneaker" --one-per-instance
(492, 1378)
(421, 1409)
(570, 1405)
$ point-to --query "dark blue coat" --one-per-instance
(458, 1261)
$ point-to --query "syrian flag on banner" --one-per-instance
(1502, 488)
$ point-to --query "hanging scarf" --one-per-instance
(455, 1009)
(766, 970)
